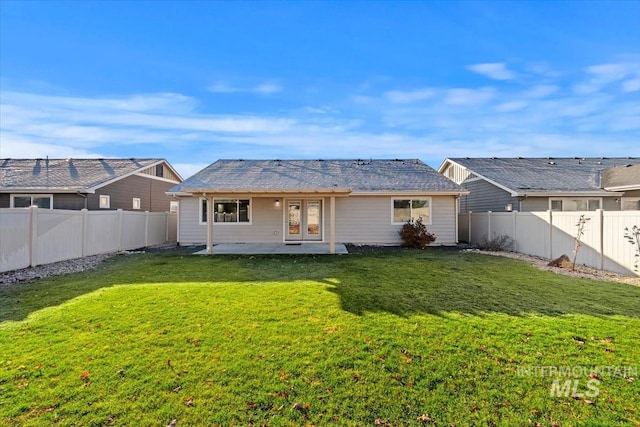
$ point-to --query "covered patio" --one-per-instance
(274, 248)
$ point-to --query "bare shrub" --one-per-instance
(415, 235)
(496, 243)
(633, 236)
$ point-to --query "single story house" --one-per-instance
(539, 184)
(293, 201)
(94, 184)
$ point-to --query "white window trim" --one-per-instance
(393, 199)
(201, 222)
(575, 198)
(134, 203)
(108, 198)
(50, 196)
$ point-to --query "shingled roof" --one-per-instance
(66, 175)
(621, 177)
(528, 175)
(315, 175)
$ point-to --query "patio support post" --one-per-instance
(210, 225)
(332, 225)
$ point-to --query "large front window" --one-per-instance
(572, 205)
(26, 200)
(227, 210)
(409, 210)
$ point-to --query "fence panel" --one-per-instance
(157, 228)
(565, 229)
(551, 234)
(59, 236)
(501, 224)
(101, 232)
(532, 231)
(479, 226)
(619, 254)
(15, 239)
(132, 234)
(34, 236)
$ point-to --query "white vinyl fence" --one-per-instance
(33, 236)
(551, 234)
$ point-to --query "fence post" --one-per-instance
(489, 225)
(469, 217)
(146, 228)
(166, 226)
(550, 233)
(84, 232)
(601, 216)
(119, 230)
(33, 250)
(515, 230)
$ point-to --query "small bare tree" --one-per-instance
(633, 236)
(581, 223)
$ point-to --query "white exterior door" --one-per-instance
(303, 220)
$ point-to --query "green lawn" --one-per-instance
(401, 338)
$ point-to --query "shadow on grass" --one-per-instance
(403, 283)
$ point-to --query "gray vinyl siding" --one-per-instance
(537, 204)
(60, 201)
(611, 203)
(151, 193)
(367, 220)
(534, 204)
(266, 224)
(484, 196)
(359, 220)
(68, 201)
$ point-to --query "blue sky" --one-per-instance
(197, 81)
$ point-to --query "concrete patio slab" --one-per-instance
(273, 248)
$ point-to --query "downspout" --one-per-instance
(456, 205)
(84, 196)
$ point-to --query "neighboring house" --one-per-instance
(128, 184)
(627, 179)
(292, 201)
(539, 184)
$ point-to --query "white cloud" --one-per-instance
(541, 91)
(542, 118)
(406, 97)
(631, 85)
(511, 106)
(469, 97)
(602, 75)
(493, 70)
(187, 169)
(267, 88)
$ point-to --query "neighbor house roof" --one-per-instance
(621, 178)
(332, 176)
(68, 175)
(542, 175)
